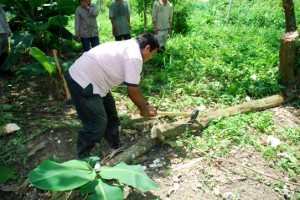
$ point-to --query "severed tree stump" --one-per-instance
(287, 57)
(166, 131)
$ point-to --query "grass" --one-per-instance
(223, 60)
(219, 62)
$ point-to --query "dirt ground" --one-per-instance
(180, 173)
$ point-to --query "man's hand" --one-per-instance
(138, 99)
(155, 30)
(149, 112)
(78, 38)
(115, 30)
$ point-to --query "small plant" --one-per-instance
(90, 178)
(6, 174)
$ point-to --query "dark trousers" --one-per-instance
(96, 114)
(88, 42)
(121, 37)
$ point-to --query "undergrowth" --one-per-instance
(225, 58)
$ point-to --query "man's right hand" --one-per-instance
(149, 112)
(78, 38)
(155, 30)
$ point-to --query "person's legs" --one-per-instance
(4, 46)
(163, 39)
(118, 38)
(85, 44)
(113, 121)
(126, 36)
(91, 112)
(159, 38)
(3, 57)
(95, 41)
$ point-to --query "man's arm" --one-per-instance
(77, 25)
(127, 14)
(112, 18)
(137, 98)
(128, 19)
(154, 17)
(171, 16)
(93, 10)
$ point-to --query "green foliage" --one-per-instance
(42, 21)
(90, 178)
(181, 13)
(222, 59)
(42, 58)
(45, 64)
(6, 174)
(19, 42)
(59, 177)
(241, 131)
(101, 190)
(5, 113)
(138, 178)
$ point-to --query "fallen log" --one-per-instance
(172, 130)
(133, 152)
(166, 131)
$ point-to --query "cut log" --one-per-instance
(163, 132)
(133, 152)
(166, 131)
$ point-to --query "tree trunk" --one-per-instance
(166, 131)
(287, 56)
(288, 49)
(145, 14)
(290, 18)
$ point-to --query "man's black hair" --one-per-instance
(148, 39)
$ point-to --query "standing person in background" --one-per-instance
(5, 32)
(120, 19)
(162, 16)
(86, 28)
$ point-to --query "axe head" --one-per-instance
(194, 114)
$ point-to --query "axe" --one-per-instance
(193, 115)
(68, 95)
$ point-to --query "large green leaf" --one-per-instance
(12, 59)
(66, 65)
(38, 26)
(133, 175)
(92, 160)
(36, 3)
(60, 31)
(21, 41)
(59, 20)
(67, 7)
(32, 69)
(60, 177)
(42, 58)
(102, 191)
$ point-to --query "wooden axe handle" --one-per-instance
(174, 114)
(62, 76)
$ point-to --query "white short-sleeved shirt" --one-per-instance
(109, 65)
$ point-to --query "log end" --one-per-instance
(153, 132)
